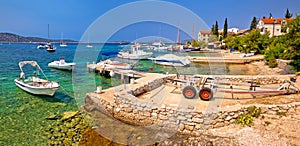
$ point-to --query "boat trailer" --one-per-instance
(205, 87)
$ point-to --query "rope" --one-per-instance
(66, 92)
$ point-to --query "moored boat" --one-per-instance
(51, 48)
(61, 64)
(34, 84)
(171, 60)
(135, 53)
(113, 64)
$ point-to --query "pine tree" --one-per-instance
(253, 23)
(225, 29)
(288, 14)
(271, 16)
(213, 29)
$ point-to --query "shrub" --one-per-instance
(248, 117)
(272, 62)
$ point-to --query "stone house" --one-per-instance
(272, 25)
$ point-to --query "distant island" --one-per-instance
(14, 38)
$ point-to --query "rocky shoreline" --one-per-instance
(277, 124)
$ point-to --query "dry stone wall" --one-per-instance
(127, 108)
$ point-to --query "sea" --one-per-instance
(23, 116)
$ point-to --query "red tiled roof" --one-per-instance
(205, 31)
(272, 20)
(243, 31)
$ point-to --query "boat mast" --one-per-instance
(62, 38)
(178, 35)
(193, 33)
(48, 34)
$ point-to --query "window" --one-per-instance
(278, 30)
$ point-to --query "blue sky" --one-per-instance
(30, 17)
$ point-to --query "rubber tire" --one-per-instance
(189, 89)
(206, 94)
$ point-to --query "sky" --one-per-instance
(75, 17)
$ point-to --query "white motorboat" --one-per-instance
(159, 46)
(135, 53)
(171, 60)
(89, 46)
(42, 46)
(61, 64)
(113, 64)
(34, 84)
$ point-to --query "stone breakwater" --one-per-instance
(125, 106)
(187, 121)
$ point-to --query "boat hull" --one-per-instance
(134, 57)
(50, 91)
(65, 66)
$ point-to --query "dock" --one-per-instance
(227, 59)
(109, 72)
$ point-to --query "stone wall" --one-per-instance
(187, 121)
(130, 109)
(283, 64)
(149, 86)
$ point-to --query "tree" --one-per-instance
(216, 29)
(271, 16)
(288, 14)
(213, 29)
(225, 29)
(253, 23)
(212, 38)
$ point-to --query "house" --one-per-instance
(204, 35)
(233, 30)
(272, 25)
(243, 32)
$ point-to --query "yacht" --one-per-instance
(171, 60)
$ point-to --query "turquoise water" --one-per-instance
(23, 115)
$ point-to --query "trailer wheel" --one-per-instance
(206, 94)
(189, 92)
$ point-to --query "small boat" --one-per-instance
(89, 46)
(34, 84)
(42, 46)
(113, 64)
(62, 44)
(171, 60)
(61, 64)
(159, 46)
(51, 48)
(135, 53)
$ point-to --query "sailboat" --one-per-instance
(178, 46)
(89, 45)
(50, 47)
(62, 44)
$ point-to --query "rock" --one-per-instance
(181, 127)
(197, 120)
(68, 115)
(147, 114)
(189, 127)
(228, 118)
(154, 114)
(162, 117)
(182, 118)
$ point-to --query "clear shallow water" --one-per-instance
(23, 116)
